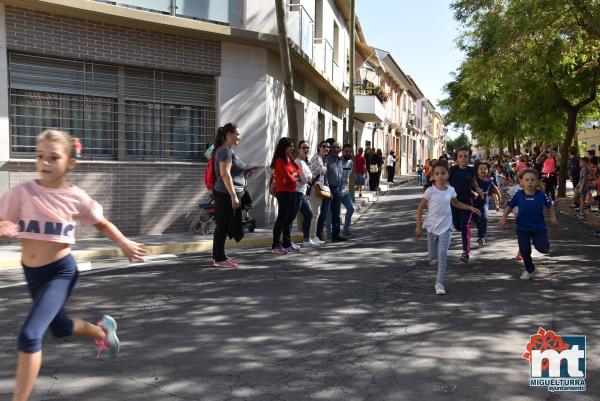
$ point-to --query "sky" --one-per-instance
(420, 35)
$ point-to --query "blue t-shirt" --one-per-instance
(462, 180)
(486, 186)
(531, 210)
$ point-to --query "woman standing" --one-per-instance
(549, 174)
(306, 182)
(318, 170)
(375, 163)
(230, 188)
(286, 176)
(360, 171)
(391, 166)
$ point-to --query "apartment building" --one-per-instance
(144, 85)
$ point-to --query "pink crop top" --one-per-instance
(48, 214)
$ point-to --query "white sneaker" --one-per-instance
(526, 275)
(311, 244)
(317, 241)
(439, 289)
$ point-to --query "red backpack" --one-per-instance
(209, 174)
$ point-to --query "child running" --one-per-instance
(512, 191)
(462, 178)
(42, 214)
(482, 203)
(531, 226)
(438, 223)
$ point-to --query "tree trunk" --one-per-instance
(511, 144)
(564, 151)
(286, 67)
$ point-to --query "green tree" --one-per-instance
(458, 142)
(532, 70)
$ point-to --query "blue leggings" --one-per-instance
(50, 286)
(540, 242)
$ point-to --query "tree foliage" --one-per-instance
(458, 142)
(532, 70)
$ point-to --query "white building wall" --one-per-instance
(260, 16)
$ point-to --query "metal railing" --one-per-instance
(301, 28)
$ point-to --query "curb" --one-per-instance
(202, 246)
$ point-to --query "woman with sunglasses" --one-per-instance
(305, 183)
(318, 170)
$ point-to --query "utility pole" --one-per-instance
(351, 92)
(286, 68)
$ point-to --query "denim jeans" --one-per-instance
(438, 249)
(347, 202)
(335, 205)
(540, 242)
(419, 178)
(303, 207)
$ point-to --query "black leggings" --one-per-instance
(223, 212)
(390, 173)
(550, 182)
(286, 213)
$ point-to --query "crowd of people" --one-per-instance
(458, 196)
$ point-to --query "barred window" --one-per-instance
(116, 112)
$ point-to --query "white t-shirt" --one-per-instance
(302, 185)
(390, 161)
(439, 212)
(512, 192)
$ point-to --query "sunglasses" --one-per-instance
(325, 146)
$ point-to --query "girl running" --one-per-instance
(482, 203)
(462, 179)
(438, 223)
(42, 214)
(531, 226)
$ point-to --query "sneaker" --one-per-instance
(579, 216)
(464, 258)
(111, 342)
(519, 257)
(481, 242)
(339, 239)
(432, 262)
(439, 289)
(318, 240)
(526, 275)
(311, 244)
(280, 250)
(347, 233)
(293, 248)
(225, 263)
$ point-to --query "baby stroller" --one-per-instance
(202, 222)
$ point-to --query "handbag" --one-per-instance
(373, 168)
(312, 182)
(323, 191)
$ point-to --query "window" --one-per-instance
(151, 115)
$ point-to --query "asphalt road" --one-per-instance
(351, 321)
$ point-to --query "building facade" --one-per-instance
(144, 88)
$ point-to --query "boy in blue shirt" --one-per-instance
(462, 179)
(531, 226)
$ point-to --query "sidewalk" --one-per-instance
(592, 217)
(94, 249)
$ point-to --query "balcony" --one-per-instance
(367, 104)
(225, 12)
(300, 28)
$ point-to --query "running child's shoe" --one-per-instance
(279, 250)
(481, 242)
(439, 289)
(526, 275)
(579, 216)
(464, 257)
(293, 248)
(111, 342)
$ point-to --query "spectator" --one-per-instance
(333, 178)
(391, 166)
(305, 184)
(419, 174)
(318, 170)
(427, 169)
(573, 170)
(582, 186)
(374, 163)
(346, 197)
(368, 155)
(286, 176)
(360, 171)
(229, 189)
